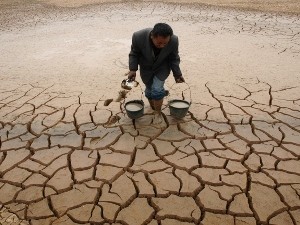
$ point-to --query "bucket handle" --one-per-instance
(188, 88)
(142, 93)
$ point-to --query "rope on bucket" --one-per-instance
(135, 108)
(182, 92)
(179, 108)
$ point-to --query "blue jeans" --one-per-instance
(155, 89)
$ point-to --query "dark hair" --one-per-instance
(162, 29)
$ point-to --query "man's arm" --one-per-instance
(133, 59)
(174, 63)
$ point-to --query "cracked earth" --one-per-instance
(70, 155)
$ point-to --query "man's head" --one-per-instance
(161, 35)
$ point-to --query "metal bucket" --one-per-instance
(179, 108)
(134, 109)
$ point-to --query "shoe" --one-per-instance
(157, 119)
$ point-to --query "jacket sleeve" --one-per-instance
(174, 60)
(134, 55)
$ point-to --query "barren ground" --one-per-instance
(70, 155)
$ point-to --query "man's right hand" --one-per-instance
(179, 79)
(131, 75)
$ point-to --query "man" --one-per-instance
(156, 52)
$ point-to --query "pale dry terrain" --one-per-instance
(279, 6)
(70, 155)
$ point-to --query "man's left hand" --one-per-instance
(179, 79)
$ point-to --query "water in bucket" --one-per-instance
(179, 108)
(134, 109)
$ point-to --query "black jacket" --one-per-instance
(142, 54)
